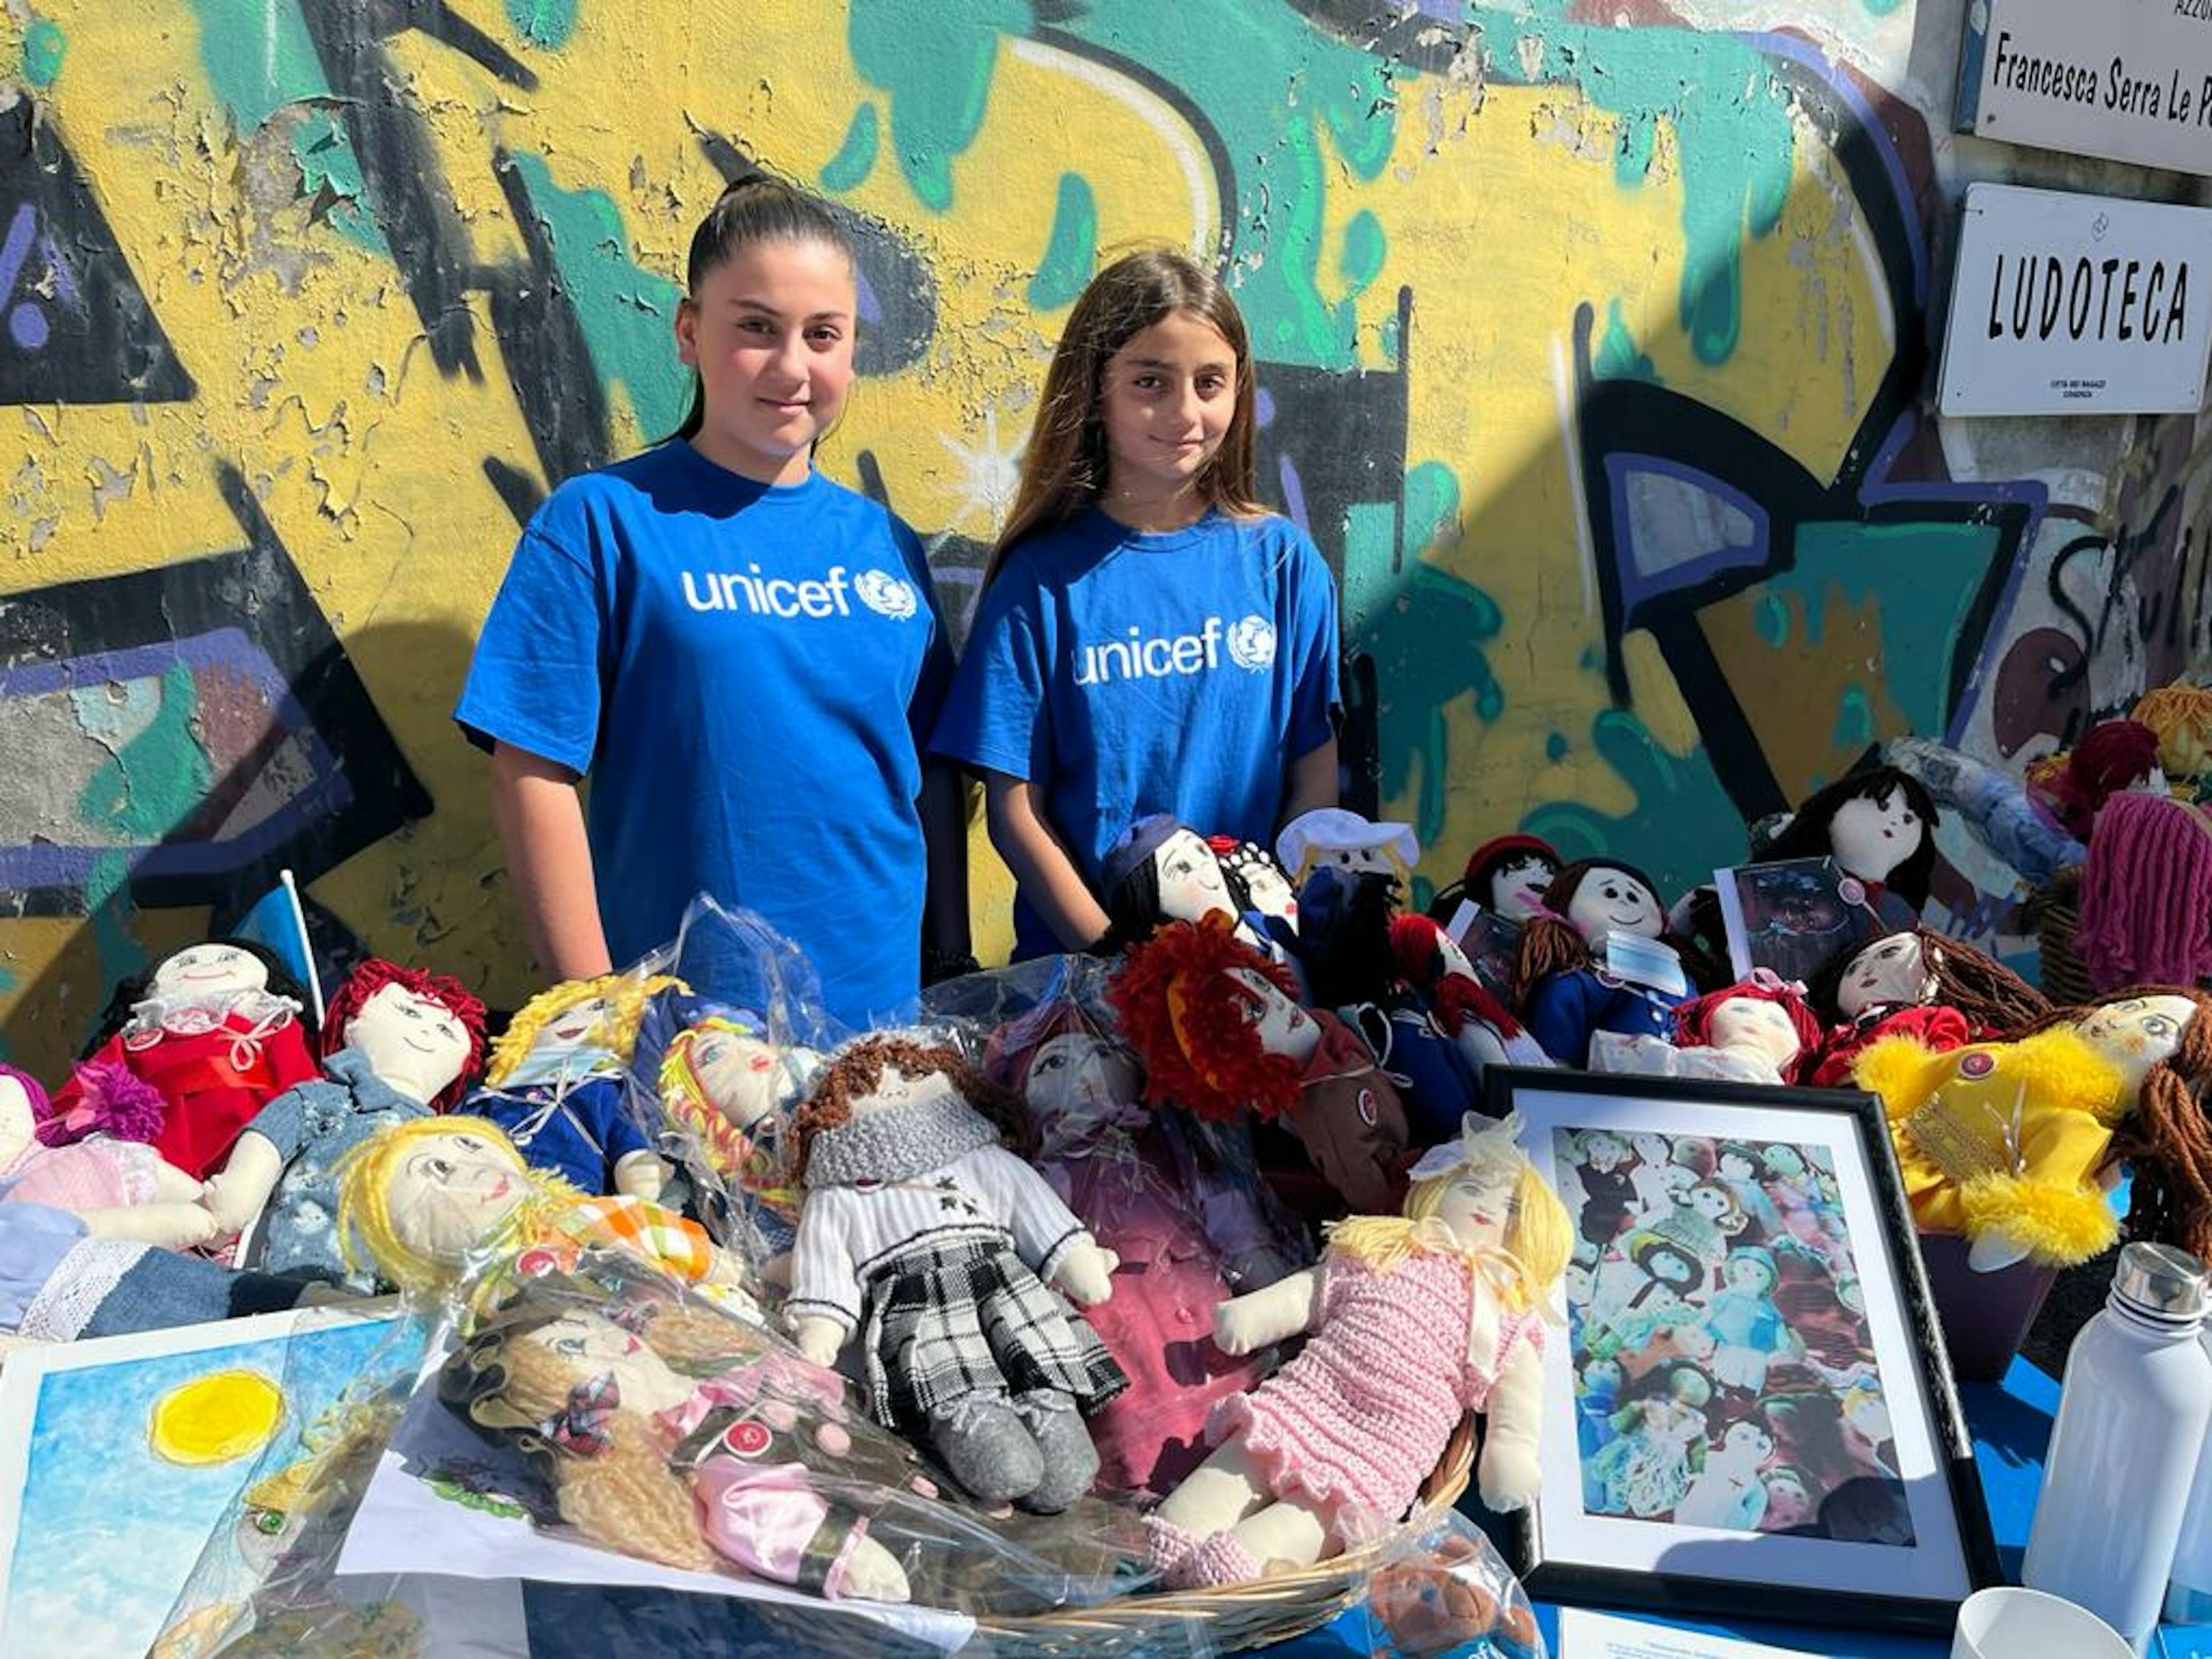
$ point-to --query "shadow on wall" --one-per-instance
(170, 778)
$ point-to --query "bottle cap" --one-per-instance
(2161, 1281)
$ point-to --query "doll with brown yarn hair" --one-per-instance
(1221, 1033)
(1919, 983)
(1565, 987)
(676, 1435)
(922, 1232)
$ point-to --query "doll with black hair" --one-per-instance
(1879, 825)
(188, 1054)
(1507, 876)
(1160, 870)
(1919, 983)
(1571, 980)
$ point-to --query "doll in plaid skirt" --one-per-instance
(920, 1232)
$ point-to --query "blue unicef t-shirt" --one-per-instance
(1125, 674)
(746, 674)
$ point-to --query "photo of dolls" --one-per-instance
(1794, 916)
(1724, 1372)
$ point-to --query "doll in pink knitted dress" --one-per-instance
(1416, 1321)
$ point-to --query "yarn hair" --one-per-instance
(2167, 1139)
(1996, 1002)
(1190, 1022)
(369, 1234)
(448, 993)
(1549, 944)
(2181, 715)
(857, 1072)
(626, 996)
(1693, 1020)
(1806, 835)
(2146, 904)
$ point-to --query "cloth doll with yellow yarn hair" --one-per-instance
(1414, 1321)
(429, 1201)
(556, 1084)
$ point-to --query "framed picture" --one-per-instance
(1795, 916)
(1750, 1375)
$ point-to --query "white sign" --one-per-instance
(2077, 305)
(2127, 79)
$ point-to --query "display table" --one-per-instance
(2011, 1424)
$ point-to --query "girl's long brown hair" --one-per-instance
(1064, 468)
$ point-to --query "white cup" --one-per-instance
(2011, 1623)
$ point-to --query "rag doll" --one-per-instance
(556, 1086)
(1878, 824)
(1662, 1424)
(118, 1188)
(1350, 963)
(216, 1032)
(1160, 871)
(2112, 759)
(2147, 894)
(1917, 984)
(2006, 1142)
(1442, 974)
(1748, 1330)
(399, 1044)
(728, 1097)
(1220, 1034)
(1333, 835)
(922, 1233)
(1414, 1322)
(753, 1463)
(1569, 978)
(2180, 715)
(424, 1202)
(1507, 876)
(1759, 1030)
(1259, 888)
(1120, 1168)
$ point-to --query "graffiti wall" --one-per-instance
(1592, 353)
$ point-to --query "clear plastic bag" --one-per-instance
(1447, 1590)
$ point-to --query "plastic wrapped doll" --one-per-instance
(1569, 974)
(1941, 992)
(59, 1281)
(1507, 876)
(1333, 835)
(1759, 1030)
(1414, 1321)
(399, 1044)
(1220, 1034)
(556, 1086)
(424, 1200)
(683, 1469)
(1113, 1162)
(118, 1188)
(1993, 806)
(216, 1032)
(730, 1096)
(1878, 824)
(924, 1235)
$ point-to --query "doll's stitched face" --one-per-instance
(1283, 1027)
(593, 1345)
(413, 1042)
(1787, 1504)
(1650, 1147)
(1079, 1085)
(1748, 1272)
(1190, 881)
(1892, 972)
(1517, 887)
(573, 1025)
(1478, 1204)
(896, 1090)
(2138, 1033)
(1602, 1376)
(1735, 1165)
(451, 1189)
(1758, 1024)
(1603, 1151)
(1355, 860)
(1748, 1443)
(1613, 902)
(1711, 1199)
(1871, 838)
(1270, 889)
(1452, 958)
(1670, 1265)
(210, 971)
(738, 1073)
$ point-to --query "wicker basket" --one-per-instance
(1232, 1616)
(2055, 911)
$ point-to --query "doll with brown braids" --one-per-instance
(1568, 981)
(1919, 983)
(674, 1434)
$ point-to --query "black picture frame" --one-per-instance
(1598, 1534)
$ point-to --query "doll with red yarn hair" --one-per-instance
(1759, 1029)
(399, 1044)
(1221, 1033)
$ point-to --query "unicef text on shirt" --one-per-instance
(1251, 644)
(764, 596)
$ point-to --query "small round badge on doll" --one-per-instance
(922, 1232)
(1915, 983)
(1412, 1320)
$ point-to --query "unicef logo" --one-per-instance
(887, 596)
(1252, 643)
